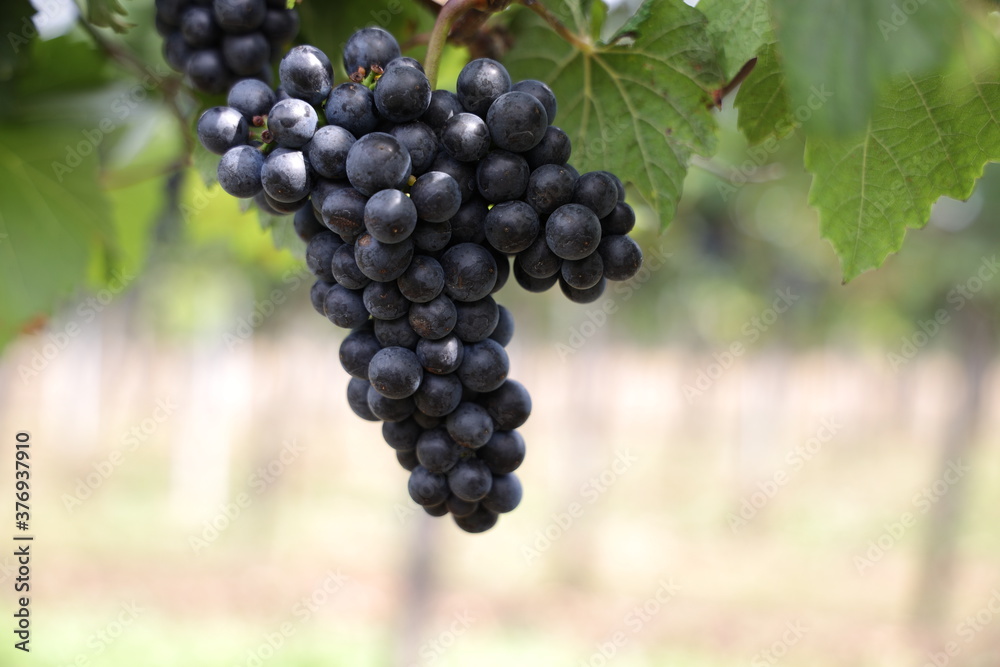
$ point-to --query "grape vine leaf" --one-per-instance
(762, 100)
(928, 137)
(849, 49)
(637, 105)
(741, 27)
(51, 222)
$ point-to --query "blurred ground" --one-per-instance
(625, 550)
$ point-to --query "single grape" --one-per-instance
(208, 72)
(573, 231)
(469, 424)
(436, 196)
(402, 94)
(199, 28)
(395, 372)
(319, 254)
(383, 262)
(286, 177)
(343, 212)
(468, 225)
(502, 176)
(251, 98)
(622, 257)
(509, 405)
(280, 26)
(345, 307)
(390, 216)
(357, 398)
(317, 295)
(421, 143)
(423, 279)
(549, 187)
(434, 319)
(517, 121)
(503, 269)
(444, 104)
(377, 161)
(478, 522)
(597, 191)
(408, 460)
(480, 83)
(222, 128)
(464, 173)
(327, 151)
(484, 366)
(396, 333)
(466, 137)
(438, 395)
(440, 356)
(619, 222)
(352, 106)
(582, 296)
(426, 422)
(293, 123)
(402, 434)
(436, 451)
(542, 93)
(246, 55)
(306, 224)
(511, 226)
(470, 479)
(554, 148)
(239, 171)
(538, 261)
(357, 350)
(469, 272)
(583, 273)
(505, 494)
(427, 488)
(460, 508)
(239, 16)
(368, 47)
(534, 284)
(504, 330)
(176, 51)
(504, 452)
(431, 236)
(389, 409)
(306, 73)
(476, 320)
(384, 301)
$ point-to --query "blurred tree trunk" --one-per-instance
(976, 334)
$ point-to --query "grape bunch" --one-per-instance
(414, 204)
(217, 42)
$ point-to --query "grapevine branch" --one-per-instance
(720, 94)
(450, 13)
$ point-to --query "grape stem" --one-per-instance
(446, 18)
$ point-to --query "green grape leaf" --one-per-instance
(851, 48)
(17, 30)
(762, 100)
(108, 14)
(928, 137)
(53, 219)
(741, 27)
(639, 105)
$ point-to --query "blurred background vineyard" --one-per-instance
(183, 339)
